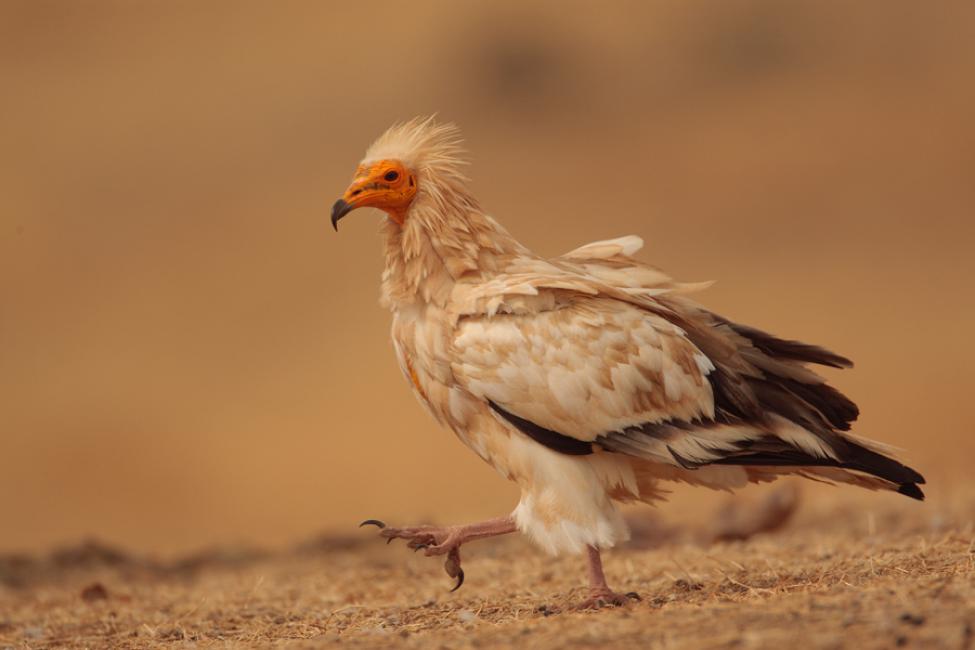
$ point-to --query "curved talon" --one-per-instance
(418, 547)
(460, 580)
(634, 596)
(372, 522)
(452, 566)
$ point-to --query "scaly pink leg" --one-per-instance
(600, 595)
(446, 540)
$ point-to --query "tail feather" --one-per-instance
(850, 456)
(777, 447)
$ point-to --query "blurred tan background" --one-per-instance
(189, 355)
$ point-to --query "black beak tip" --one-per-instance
(339, 210)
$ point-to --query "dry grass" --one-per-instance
(899, 576)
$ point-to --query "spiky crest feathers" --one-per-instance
(434, 151)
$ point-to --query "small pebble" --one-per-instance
(93, 592)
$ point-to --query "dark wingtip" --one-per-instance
(913, 476)
(911, 490)
(834, 360)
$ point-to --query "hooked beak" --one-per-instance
(339, 210)
(356, 196)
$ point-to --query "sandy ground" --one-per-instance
(901, 575)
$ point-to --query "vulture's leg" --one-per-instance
(600, 595)
(446, 540)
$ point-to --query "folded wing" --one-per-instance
(660, 379)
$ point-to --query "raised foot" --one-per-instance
(600, 598)
(432, 540)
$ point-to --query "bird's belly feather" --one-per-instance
(566, 501)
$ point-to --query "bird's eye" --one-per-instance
(391, 176)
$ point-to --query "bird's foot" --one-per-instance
(600, 598)
(432, 540)
(446, 540)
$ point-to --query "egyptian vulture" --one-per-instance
(590, 379)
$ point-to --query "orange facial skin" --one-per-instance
(385, 184)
